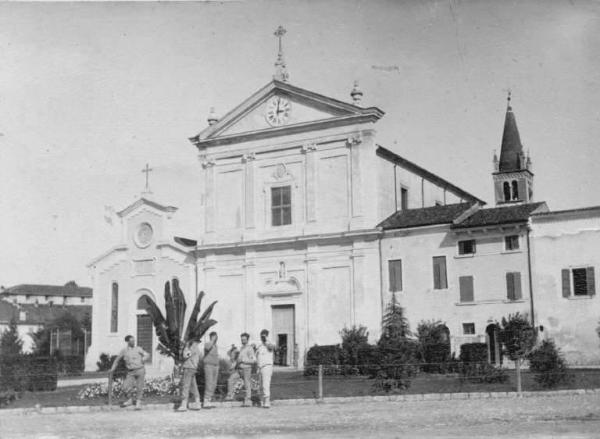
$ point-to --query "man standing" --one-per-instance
(264, 355)
(134, 357)
(211, 369)
(245, 362)
(191, 353)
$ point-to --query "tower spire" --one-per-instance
(281, 73)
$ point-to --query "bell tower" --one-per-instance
(513, 179)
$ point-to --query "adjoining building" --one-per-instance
(69, 294)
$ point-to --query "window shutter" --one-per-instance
(510, 286)
(566, 282)
(442, 272)
(436, 273)
(392, 276)
(591, 282)
(466, 288)
(395, 273)
(474, 247)
(517, 286)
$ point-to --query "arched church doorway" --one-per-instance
(144, 325)
(493, 344)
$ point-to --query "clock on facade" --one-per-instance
(278, 111)
(143, 235)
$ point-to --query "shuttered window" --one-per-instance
(440, 279)
(395, 274)
(511, 242)
(466, 288)
(513, 286)
(578, 282)
(281, 206)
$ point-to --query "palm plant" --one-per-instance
(169, 328)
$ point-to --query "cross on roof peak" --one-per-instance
(147, 171)
(281, 73)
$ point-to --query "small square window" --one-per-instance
(469, 328)
(466, 247)
(511, 242)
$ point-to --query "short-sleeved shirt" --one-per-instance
(264, 354)
(246, 357)
(133, 357)
(191, 362)
(211, 354)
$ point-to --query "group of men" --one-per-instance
(242, 363)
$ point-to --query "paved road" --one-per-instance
(537, 417)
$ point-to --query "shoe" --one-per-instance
(182, 408)
(208, 406)
(267, 403)
(247, 403)
(195, 406)
(127, 403)
(138, 405)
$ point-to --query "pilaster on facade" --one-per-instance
(355, 174)
(249, 191)
(208, 165)
(310, 175)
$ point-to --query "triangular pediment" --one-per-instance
(304, 109)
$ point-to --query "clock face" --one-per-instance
(278, 111)
(144, 234)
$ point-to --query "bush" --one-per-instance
(70, 364)
(329, 356)
(353, 340)
(6, 397)
(475, 368)
(28, 372)
(548, 365)
(395, 365)
(152, 387)
(434, 344)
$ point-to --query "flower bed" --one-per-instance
(152, 387)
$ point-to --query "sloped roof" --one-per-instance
(502, 215)
(48, 290)
(425, 216)
(413, 167)
(511, 149)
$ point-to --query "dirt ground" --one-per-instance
(576, 416)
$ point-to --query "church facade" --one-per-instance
(309, 226)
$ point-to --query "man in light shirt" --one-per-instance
(243, 368)
(264, 359)
(192, 354)
(134, 357)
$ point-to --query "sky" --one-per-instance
(91, 92)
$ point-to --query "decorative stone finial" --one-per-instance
(281, 73)
(356, 94)
(528, 161)
(212, 116)
(496, 162)
(508, 98)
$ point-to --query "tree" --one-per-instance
(11, 344)
(11, 349)
(394, 324)
(170, 327)
(434, 345)
(518, 337)
(353, 340)
(548, 365)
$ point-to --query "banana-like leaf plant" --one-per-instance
(170, 328)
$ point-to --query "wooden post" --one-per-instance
(110, 384)
(518, 370)
(320, 382)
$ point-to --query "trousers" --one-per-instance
(211, 374)
(189, 385)
(266, 372)
(135, 379)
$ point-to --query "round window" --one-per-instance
(143, 236)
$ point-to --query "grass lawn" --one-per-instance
(291, 385)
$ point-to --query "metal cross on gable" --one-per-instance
(147, 171)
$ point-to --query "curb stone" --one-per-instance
(38, 410)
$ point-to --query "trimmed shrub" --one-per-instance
(353, 340)
(548, 365)
(329, 356)
(475, 368)
(395, 365)
(28, 372)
